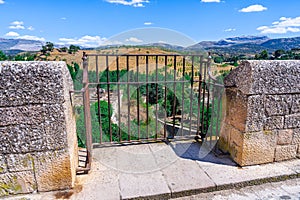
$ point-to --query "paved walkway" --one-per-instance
(289, 189)
(162, 171)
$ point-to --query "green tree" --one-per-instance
(50, 46)
(264, 55)
(218, 59)
(2, 56)
(64, 49)
(73, 69)
(278, 53)
(73, 49)
(47, 48)
(24, 57)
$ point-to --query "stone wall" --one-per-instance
(262, 122)
(38, 150)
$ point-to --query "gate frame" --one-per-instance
(208, 81)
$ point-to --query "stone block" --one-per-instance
(274, 122)
(284, 137)
(255, 113)
(19, 162)
(30, 114)
(285, 152)
(278, 104)
(296, 104)
(258, 148)
(240, 77)
(48, 134)
(37, 125)
(17, 183)
(236, 109)
(296, 136)
(22, 138)
(32, 82)
(292, 121)
(266, 77)
(223, 142)
(236, 141)
(3, 167)
(53, 171)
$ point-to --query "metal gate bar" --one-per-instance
(163, 80)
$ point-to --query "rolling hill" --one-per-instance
(17, 45)
(248, 45)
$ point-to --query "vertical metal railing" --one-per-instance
(179, 84)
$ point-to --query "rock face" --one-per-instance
(38, 150)
(263, 112)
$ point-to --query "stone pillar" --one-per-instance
(38, 150)
(262, 122)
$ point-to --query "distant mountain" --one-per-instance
(165, 46)
(8, 45)
(228, 42)
(247, 45)
(282, 43)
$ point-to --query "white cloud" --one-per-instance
(111, 42)
(2, 2)
(148, 23)
(17, 25)
(284, 25)
(31, 37)
(63, 18)
(210, 1)
(134, 3)
(85, 41)
(229, 30)
(253, 8)
(134, 39)
(30, 28)
(12, 34)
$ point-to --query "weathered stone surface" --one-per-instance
(21, 115)
(284, 137)
(17, 183)
(223, 142)
(19, 162)
(236, 141)
(266, 77)
(22, 139)
(240, 77)
(278, 104)
(258, 147)
(236, 109)
(32, 114)
(296, 136)
(274, 122)
(296, 104)
(37, 127)
(53, 171)
(292, 121)
(24, 83)
(255, 113)
(285, 152)
(3, 167)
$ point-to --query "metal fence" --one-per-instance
(146, 97)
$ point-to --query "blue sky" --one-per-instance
(92, 22)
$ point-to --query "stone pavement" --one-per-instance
(289, 189)
(177, 169)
